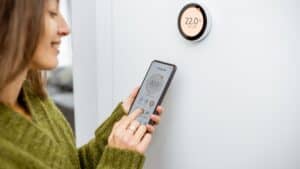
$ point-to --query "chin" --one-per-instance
(51, 67)
(47, 61)
(46, 66)
(51, 64)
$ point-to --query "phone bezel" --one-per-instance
(161, 97)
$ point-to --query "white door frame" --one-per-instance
(92, 65)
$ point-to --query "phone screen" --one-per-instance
(153, 88)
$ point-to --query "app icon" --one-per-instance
(151, 103)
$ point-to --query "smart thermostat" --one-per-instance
(194, 21)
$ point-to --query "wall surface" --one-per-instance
(235, 100)
(84, 46)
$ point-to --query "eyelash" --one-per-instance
(53, 14)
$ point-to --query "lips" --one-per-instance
(55, 44)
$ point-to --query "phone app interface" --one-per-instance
(151, 90)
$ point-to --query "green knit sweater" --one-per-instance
(47, 141)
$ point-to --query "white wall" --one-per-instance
(234, 102)
(84, 68)
(91, 37)
(65, 55)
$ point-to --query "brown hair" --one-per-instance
(21, 26)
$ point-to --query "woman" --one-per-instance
(33, 132)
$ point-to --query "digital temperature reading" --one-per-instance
(193, 22)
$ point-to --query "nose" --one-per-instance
(63, 29)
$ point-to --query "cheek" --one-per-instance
(45, 57)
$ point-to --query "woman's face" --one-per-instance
(45, 56)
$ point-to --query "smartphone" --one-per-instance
(153, 89)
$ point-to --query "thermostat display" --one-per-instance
(194, 22)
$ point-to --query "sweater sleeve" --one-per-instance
(114, 158)
(96, 154)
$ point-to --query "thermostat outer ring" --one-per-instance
(206, 22)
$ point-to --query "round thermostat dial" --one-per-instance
(194, 21)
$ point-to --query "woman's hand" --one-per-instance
(129, 100)
(129, 134)
(154, 117)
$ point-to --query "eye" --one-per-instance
(53, 14)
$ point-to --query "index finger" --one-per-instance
(132, 116)
(133, 94)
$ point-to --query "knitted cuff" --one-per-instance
(114, 158)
